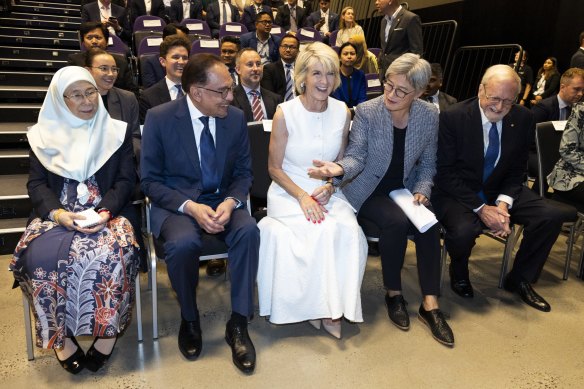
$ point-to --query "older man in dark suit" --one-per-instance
(221, 12)
(279, 76)
(112, 16)
(196, 169)
(193, 8)
(401, 32)
(256, 103)
(482, 156)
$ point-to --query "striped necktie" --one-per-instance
(289, 95)
(224, 17)
(256, 106)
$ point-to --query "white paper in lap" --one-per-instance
(419, 215)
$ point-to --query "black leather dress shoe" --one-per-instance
(461, 287)
(396, 309)
(527, 294)
(437, 324)
(242, 349)
(190, 341)
(215, 267)
(95, 360)
(76, 362)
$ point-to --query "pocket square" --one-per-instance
(398, 29)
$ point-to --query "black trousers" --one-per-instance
(394, 229)
(574, 197)
(542, 223)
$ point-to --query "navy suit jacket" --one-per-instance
(249, 16)
(547, 109)
(213, 15)
(314, 18)
(577, 60)
(270, 100)
(151, 70)
(461, 154)
(90, 13)
(176, 11)
(138, 8)
(170, 165)
(155, 95)
(250, 39)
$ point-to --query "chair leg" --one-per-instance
(509, 245)
(154, 288)
(139, 308)
(27, 328)
(443, 259)
(569, 251)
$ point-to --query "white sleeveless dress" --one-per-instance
(310, 271)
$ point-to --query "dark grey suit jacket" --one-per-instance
(241, 101)
(138, 8)
(283, 17)
(176, 11)
(577, 60)
(213, 15)
(314, 18)
(90, 13)
(124, 80)
(155, 95)
(445, 100)
(274, 78)
(123, 105)
(405, 36)
(547, 109)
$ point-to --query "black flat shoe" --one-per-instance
(76, 362)
(190, 340)
(94, 360)
(216, 267)
(527, 294)
(397, 311)
(435, 321)
(242, 349)
(461, 287)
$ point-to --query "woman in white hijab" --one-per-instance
(80, 280)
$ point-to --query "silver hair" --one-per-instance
(416, 70)
(502, 72)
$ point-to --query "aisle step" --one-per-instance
(31, 64)
(36, 53)
(44, 17)
(22, 94)
(10, 232)
(19, 112)
(13, 135)
(48, 43)
(25, 78)
(38, 33)
(14, 200)
(48, 24)
(46, 10)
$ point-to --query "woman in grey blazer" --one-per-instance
(392, 145)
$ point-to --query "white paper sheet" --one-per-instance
(267, 125)
(195, 26)
(232, 28)
(209, 43)
(419, 215)
(154, 41)
(373, 83)
(152, 23)
(276, 30)
(559, 125)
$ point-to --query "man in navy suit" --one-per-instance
(218, 12)
(433, 94)
(482, 157)
(261, 40)
(112, 16)
(559, 106)
(251, 12)
(196, 169)
(577, 60)
(177, 12)
(139, 8)
(274, 78)
(325, 21)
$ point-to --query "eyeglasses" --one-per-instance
(106, 69)
(223, 92)
(79, 98)
(497, 100)
(399, 93)
(265, 22)
(289, 47)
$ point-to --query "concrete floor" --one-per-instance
(500, 342)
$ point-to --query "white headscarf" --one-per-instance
(69, 146)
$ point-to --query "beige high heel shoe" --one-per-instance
(333, 327)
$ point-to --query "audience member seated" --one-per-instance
(353, 88)
(485, 191)
(568, 173)
(559, 106)
(94, 34)
(79, 279)
(230, 46)
(577, 60)
(348, 27)
(393, 146)
(526, 74)
(152, 70)
(185, 9)
(174, 54)
(433, 94)
(251, 13)
(261, 40)
(196, 169)
(112, 16)
(365, 61)
(256, 103)
(310, 237)
(548, 80)
(291, 17)
(221, 12)
(143, 7)
(324, 20)
(279, 76)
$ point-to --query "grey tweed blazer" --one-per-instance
(368, 154)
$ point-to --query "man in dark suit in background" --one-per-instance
(256, 103)
(401, 32)
(279, 76)
(433, 94)
(196, 170)
(261, 40)
(112, 16)
(251, 12)
(324, 20)
(559, 107)
(95, 34)
(577, 60)
(291, 17)
(482, 155)
(138, 8)
(177, 12)
(221, 12)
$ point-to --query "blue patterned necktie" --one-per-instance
(492, 152)
(289, 95)
(179, 91)
(208, 158)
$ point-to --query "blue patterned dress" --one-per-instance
(77, 284)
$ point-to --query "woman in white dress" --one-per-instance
(313, 252)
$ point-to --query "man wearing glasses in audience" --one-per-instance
(482, 153)
(230, 46)
(196, 170)
(251, 13)
(279, 76)
(261, 40)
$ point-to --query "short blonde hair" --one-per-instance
(316, 52)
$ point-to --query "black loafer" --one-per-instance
(461, 287)
(76, 362)
(396, 309)
(242, 349)
(215, 267)
(95, 360)
(190, 340)
(527, 294)
(435, 321)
